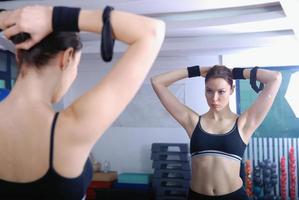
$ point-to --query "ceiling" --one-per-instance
(200, 27)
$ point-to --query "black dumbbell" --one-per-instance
(273, 181)
(268, 163)
(273, 165)
(269, 197)
(274, 176)
(261, 164)
(267, 172)
(256, 174)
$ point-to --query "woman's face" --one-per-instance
(217, 93)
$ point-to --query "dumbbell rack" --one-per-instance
(265, 179)
(172, 173)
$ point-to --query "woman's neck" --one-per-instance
(220, 115)
(34, 88)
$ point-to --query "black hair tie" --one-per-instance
(19, 38)
(253, 81)
(107, 42)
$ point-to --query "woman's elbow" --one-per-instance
(154, 81)
(278, 77)
(156, 30)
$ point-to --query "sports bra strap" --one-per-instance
(52, 138)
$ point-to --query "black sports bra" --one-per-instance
(51, 185)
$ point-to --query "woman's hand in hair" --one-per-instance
(204, 70)
(3, 16)
(35, 20)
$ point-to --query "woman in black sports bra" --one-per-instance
(219, 137)
(44, 154)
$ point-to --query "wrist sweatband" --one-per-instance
(107, 42)
(253, 82)
(238, 73)
(193, 71)
(65, 19)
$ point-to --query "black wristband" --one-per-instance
(238, 73)
(253, 82)
(193, 71)
(107, 42)
(65, 19)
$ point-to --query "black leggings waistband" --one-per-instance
(239, 194)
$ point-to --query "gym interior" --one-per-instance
(145, 153)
